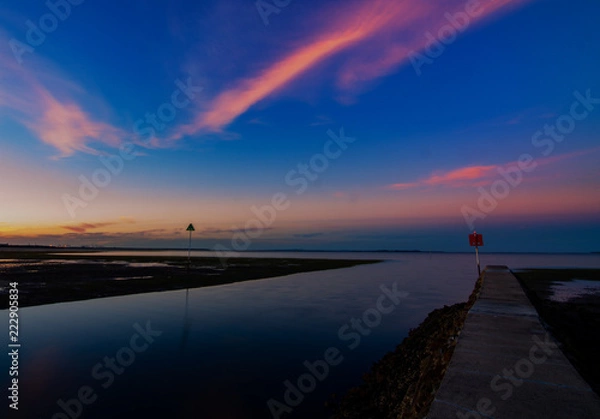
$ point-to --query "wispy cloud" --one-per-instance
(396, 27)
(454, 178)
(231, 103)
(53, 114)
(356, 25)
(397, 42)
(68, 128)
(478, 175)
(85, 227)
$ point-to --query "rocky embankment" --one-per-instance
(404, 382)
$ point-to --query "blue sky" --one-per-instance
(263, 98)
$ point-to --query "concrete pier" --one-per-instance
(506, 365)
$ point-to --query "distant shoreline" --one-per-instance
(61, 249)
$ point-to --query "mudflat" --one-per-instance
(46, 277)
(568, 301)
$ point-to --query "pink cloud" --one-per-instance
(358, 24)
(394, 27)
(55, 117)
(66, 127)
(233, 102)
(453, 178)
(459, 175)
(398, 42)
(474, 176)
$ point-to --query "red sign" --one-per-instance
(475, 239)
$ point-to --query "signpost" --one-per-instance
(476, 240)
(190, 229)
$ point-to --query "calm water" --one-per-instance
(225, 351)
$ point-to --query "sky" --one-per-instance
(320, 125)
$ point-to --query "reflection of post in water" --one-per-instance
(186, 322)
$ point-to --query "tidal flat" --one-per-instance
(568, 301)
(46, 277)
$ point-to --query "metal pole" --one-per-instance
(477, 257)
(190, 248)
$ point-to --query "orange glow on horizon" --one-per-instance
(416, 209)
